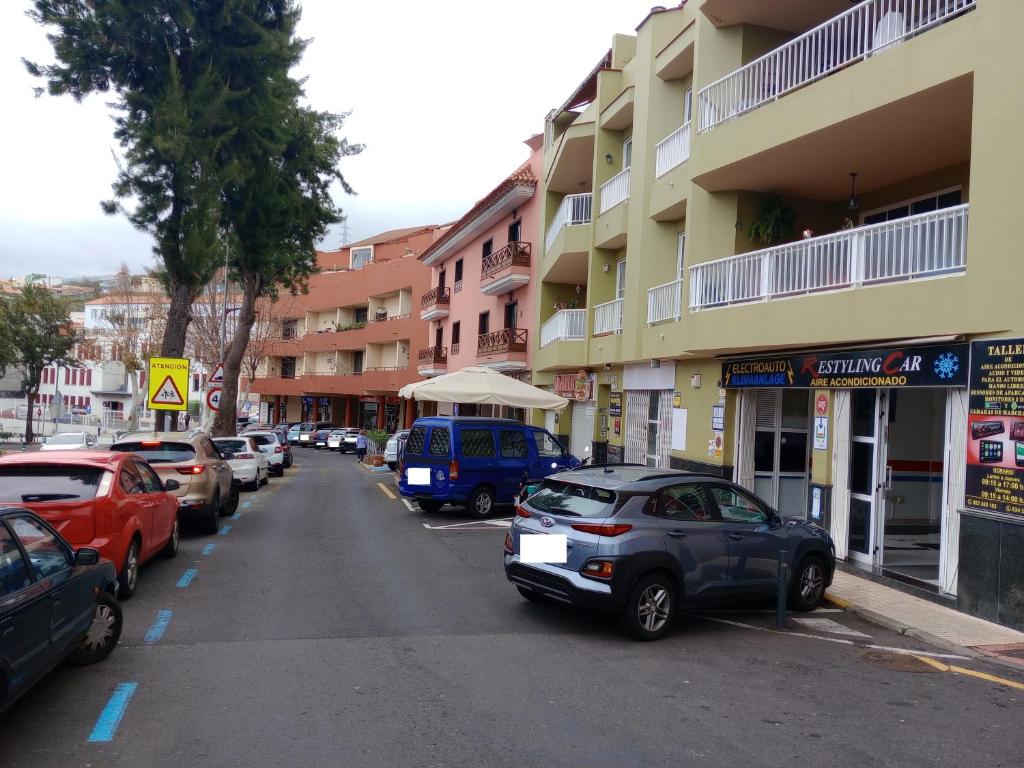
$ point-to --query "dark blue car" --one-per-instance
(55, 604)
(475, 462)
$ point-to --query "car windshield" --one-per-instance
(68, 439)
(235, 446)
(575, 500)
(308, 427)
(157, 451)
(337, 431)
(28, 483)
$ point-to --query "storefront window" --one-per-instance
(863, 412)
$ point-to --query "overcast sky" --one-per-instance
(441, 93)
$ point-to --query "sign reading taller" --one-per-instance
(168, 383)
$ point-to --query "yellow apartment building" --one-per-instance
(777, 246)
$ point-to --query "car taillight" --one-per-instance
(278, 449)
(195, 469)
(103, 489)
(523, 511)
(599, 569)
(453, 470)
(509, 549)
(244, 456)
(602, 529)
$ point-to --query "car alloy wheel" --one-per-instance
(481, 502)
(101, 631)
(129, 577)
(653, 608)
(171, 547)
(811, 582)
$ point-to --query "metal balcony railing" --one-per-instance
(516, 253)
(564, 324)
(673, 150)
(432, 355)
(926, 245)
(503, 341)
(575, 209)
(615, 191)
(608, 317)
(435, 296)
(862, 31)
(664, 302)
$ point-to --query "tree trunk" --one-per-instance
(30, 396)
(133, 414)
(179, 313)
(225, 424)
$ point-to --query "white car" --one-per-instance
(248, 463)
(270, 444)
(336, 439)
(391, 448)
(69, 441)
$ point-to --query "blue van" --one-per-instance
(475, 462)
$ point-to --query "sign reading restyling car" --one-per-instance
(942, 365)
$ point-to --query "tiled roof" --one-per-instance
(521, 175)
(392, 235)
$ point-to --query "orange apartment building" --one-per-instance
(348, 345)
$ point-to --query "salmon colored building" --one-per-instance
(348, 345)
(480, 302)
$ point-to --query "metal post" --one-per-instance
(780, 592)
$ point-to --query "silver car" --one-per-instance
(647, 542)
(391, 448)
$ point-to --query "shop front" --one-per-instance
(867, 442)
(648, 393)
(580, 390)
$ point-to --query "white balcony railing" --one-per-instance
(615, 191)
(664, 302)
(575, 209)
(608, 317)
(673, 150)
(564, 324)
(926, 245)
(862, 31)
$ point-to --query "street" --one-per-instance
(327, 626)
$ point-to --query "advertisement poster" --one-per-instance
(995, 427)
(615, 404)
(718, 418)
(821, 433)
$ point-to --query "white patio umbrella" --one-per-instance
(479, 384)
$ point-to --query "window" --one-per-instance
(737, 507)
(289, 328)
(620, 279)
(41, 482)
(513, 444)
(477, 442)
(488, 248)
(88, 378)
(914, 206)
(547, 446)
(687, 105)
(157, 452)
(416, 441)
(485, 323)
(511, 314)
(13, 573)
(361, 257)
(680, 255)
(571, 499)
(458, 271)
(684, 502)
(67, 376)
(357, 362)
(627, 153)
(456, 332)
(361, 314)
(130, 480)
(47, 555)
(150, 481)
(440, 441)
(515, 231)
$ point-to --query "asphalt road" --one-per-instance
(330, 627)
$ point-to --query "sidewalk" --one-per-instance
(927, 621)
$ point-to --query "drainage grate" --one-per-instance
(896, 662)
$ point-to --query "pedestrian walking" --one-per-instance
(361, 446)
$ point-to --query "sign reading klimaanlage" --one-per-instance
(995, 427)
(934, 366)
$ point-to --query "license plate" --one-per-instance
(418, 475)
(543, 548)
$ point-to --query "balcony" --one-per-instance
(928, 245)
(863, 31)
(505, 270)
(614, 191)
(434, 304)
(672, 151)
(565, 324)
(608, 317)
(505, 350)
(664, 302)
(574, 210)
(432, 361)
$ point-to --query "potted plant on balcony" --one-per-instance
(774, 222)
(381, 313)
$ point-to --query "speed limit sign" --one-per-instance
(213, 399)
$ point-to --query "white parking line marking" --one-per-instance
(472, 525)
(410, 506)
(827, 625)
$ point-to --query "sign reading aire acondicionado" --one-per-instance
(935, 366)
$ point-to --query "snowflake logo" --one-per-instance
(946, 365)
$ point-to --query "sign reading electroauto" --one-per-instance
(995, 427)
(935, 366)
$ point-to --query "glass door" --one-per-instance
(867, 472)
(782, 448)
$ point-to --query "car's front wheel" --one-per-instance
(128, 578)
(481, 502)
(650, 608)
(808, 584)
(103, 633)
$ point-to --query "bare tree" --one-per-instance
(265, 332)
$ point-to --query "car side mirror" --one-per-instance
(87, 556)
(171, 485)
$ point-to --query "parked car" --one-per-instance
(391, 448)
(647, 543)
(111, 502)
(320, 438)
(293, 434)
(308, 430)
(274, 447)
(249, 464)
(206, 488)
(69, 441)
(335, 439)
(475, 462)
(55, 603)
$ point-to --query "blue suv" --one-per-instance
(646, 543)
(475, 462)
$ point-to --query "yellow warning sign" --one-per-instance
(168, 383)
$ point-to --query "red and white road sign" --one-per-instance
(217, 377)
(167, 393)
(213, 399)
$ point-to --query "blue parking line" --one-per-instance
(186, 578)
(246, 504)
(208, 549)
(225, 529)
(159, 626)
(236, 516)
(110, 717)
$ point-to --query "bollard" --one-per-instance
(780, 592)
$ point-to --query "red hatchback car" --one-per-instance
(113, 502)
